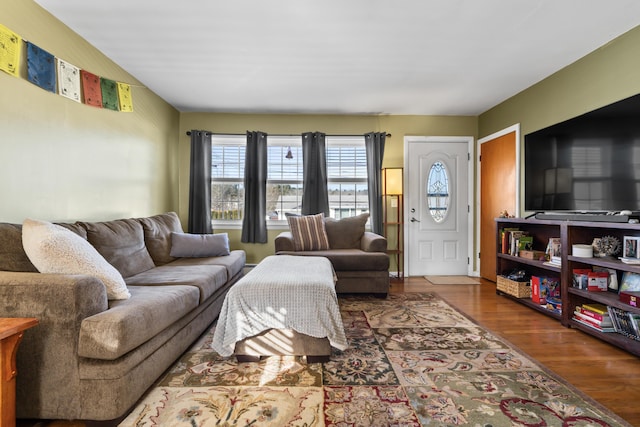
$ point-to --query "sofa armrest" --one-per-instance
(48, 354)
(372, 242)
(284, 242)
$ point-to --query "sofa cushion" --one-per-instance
(55, 249)
(157, 235)
(199, 245)
(350, 259)
(12, 254)
(121, 243)
(207, 278)
(308, 232)
(128, 324)
(345, 233)
(234, 262)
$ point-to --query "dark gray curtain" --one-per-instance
(315, 196)
(254, 223)
(200, 183)
(374, 145)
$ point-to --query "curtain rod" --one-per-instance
(274, 134)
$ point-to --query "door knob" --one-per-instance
(414, 220)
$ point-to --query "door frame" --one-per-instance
(513, 128)
(470, 193)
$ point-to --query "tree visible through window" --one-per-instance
(346, 173)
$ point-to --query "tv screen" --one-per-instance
(590, 163)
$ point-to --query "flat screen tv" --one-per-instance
(590, 163)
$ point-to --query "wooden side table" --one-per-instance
(11, 332)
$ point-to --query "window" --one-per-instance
(347, 176)
(284, 176)
(346, 173)
(227, 177)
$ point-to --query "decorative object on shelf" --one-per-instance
(605, 246)
(505, 214)
(630, 247)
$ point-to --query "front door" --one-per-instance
(437, 206)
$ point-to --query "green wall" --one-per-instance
(607, 75)
(397, 126)
(61, 160)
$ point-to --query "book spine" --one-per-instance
(595, 308)
(593, 314)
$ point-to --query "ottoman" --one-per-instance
(286, 305)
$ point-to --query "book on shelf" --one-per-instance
(606, 322)
(594, 326)
(505, 236)
(593, 314)
(629, 260)
(554, 261)
(596, 307)
(624, 322)
(630, 297)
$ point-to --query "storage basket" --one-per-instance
(511, 287)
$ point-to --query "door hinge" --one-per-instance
(467, 260)
(480, 158)
(478, 254)
(469, 157)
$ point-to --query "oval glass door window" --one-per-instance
(438, 191)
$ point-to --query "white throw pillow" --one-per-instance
(54, 249)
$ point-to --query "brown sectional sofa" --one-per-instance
(358, 257)
(91, 358)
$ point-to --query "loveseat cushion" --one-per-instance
(207, 278)
(157, 235)
(234, 262)
(345, 233)
(130, 323)
(121, 243)
(350, 259)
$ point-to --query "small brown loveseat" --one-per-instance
(358, 257)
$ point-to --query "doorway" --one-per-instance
(498, 187)
(438, 221)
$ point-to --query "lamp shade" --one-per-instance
(392, 181)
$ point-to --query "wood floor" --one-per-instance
(605, 373)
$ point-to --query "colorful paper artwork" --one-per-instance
(109, 94)
(91, 91)
(124, 96)
(10, 51)
(41, 67)
(47, 71)
(68, 80)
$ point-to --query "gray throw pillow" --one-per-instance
(346, 233)
(184, 245)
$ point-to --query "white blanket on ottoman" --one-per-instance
(282, 292)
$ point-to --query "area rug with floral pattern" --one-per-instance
(413, 360)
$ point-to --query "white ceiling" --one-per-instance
(434, 57)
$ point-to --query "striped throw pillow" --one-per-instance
(308, 232)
